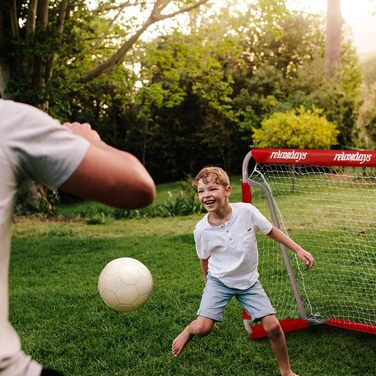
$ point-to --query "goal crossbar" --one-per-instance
(307, 194)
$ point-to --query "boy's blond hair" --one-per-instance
(212, 174)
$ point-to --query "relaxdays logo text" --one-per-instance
(353, 157)
(289, 155)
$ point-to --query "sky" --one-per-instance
(356, 14)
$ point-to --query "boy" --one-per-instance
(226, 245)
(73, 158)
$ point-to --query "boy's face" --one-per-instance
(213, 196)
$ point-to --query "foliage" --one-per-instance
(369, 69)
(365, 132)
(68, 36)
(285, 70)
(188, 97)
(34, 198)
(273, 57)
(339, 100)
(306, 129)
(256, 68)
(182, 205)
(187, 93)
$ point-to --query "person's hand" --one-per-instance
(306, 257)
(84, 130)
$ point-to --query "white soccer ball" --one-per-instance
(125, 284)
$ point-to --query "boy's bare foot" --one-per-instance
(288, 373)
(180, 342)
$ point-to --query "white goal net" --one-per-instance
(326, 202)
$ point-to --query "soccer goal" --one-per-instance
(326, 201)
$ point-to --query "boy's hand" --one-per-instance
(306, 257)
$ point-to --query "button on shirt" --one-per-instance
(232, 247)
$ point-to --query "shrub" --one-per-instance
(96, 220)
(179, 206)
(185, 203)
(306, 129)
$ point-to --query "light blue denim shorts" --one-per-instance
(216, 296)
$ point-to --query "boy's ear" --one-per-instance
(228, 190)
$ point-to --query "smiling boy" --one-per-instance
(227, 248)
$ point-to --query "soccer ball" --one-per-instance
(125, 284)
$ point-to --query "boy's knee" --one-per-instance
(203, 327)
(273, 328)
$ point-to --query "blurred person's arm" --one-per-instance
(108, 175)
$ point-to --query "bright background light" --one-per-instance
(358, 18)
(357, 14)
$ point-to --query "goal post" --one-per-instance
(325, 200)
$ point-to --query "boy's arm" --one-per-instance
(204, 267)
(282, 238)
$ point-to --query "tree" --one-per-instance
(49, 49)
(333, 39)
(156, 15)
(369, 69)
(187, 95)
(209, 89)
(35, 33)
(277, 47)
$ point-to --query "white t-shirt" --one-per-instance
(232, 247)
(34, 146)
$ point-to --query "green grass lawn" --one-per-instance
(63, 323)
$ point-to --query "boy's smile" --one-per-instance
(209, 202)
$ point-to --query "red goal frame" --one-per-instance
(325, 158)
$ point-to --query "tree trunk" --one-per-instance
(4, 67)
(4, 78)
(31, 17)
(334, 22)
(14, 19)
(40, 64)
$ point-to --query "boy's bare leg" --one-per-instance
(278, 343)
(202, 326)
